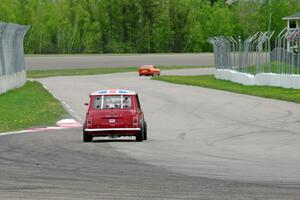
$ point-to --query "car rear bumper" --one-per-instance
(145, 73)
(112, 131)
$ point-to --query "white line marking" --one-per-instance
(15, 132)
(65, 105)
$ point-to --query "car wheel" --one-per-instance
(139, 137)
(145, 131)
(87, 137)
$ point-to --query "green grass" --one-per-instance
(274, 67)
(29, 106)
(209, 81)
(94, 71)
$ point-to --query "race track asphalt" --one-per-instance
(203, 144)
(116, 60)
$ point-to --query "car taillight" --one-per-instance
(89, 122)
(135, 121)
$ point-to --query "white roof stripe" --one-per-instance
(112, 91)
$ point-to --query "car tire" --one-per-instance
(145, 131)
(87, 137)
(140, 136)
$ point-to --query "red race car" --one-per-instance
(114, 113)
(147, 70)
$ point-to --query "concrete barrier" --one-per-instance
(12, 63)
(12, 81)
(268, 79)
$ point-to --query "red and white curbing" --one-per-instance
(62, 124)
(68, 123)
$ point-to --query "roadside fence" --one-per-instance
(254, 55)
(12, 62)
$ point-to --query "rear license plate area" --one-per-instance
(112, 121)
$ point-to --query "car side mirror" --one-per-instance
(86, 104)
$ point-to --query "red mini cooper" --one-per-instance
(114, 113)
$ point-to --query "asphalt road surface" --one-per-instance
(203, 144)
(111, 60)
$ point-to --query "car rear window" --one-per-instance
(147, 67)
(110, 102)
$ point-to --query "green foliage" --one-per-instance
(140, 26)
(31, 105)
(209, 81)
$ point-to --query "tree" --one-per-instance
(140, 26)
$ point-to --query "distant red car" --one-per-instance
(147, 70)
(114, 113)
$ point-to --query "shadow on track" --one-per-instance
(113, 140)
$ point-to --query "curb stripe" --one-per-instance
(62, 124)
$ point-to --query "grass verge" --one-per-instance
(274, 67)
(29, 106)
(94, 71)
(209, 81)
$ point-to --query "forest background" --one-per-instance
(140, 26)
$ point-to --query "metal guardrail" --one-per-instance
(255, 55)
(11, 48)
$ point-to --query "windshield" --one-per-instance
(147, 66)
(109, 102)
